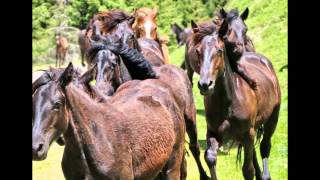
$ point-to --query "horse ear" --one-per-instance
(155, 12)
(89, 75)
(245, 14)
(194, 26)
(66, 76)
(223, 13)
(223, 29)
(131, 20)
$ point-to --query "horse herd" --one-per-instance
(124, 128)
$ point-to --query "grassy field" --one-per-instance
(267, 25)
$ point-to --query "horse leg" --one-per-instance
(210, 155)
(57, 57)
(173, 165)
(256, 166)
(194, 145)
(248, 145)
(82, 58)
(189, 71)
(265, 146)
(183, 65)
(183, 167)
(64, 55)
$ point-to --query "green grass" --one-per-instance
(267, 25)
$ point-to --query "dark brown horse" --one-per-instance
(110, 72)
(145, 26)
(174, 77)
(62, 46)
(117, 23)
(114, 139)
(233, 109)
(151, 50)
(182, 34)
(237, 42)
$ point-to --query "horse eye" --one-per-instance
(113, 64)
(56, 105)
(219, 50)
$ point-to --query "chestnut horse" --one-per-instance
(113, 22)
(62, 46)
(109, 75)
(114, 139)
(233, 109)
(145, 26)
(84, 44)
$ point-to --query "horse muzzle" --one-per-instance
(206, 88)
(39, 151)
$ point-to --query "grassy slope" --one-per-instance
(267, 25)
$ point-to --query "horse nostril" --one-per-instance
(40, 147)
(210, 83)
(202, 86)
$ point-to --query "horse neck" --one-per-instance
(84, 130)
(232, 56)
(228, 79)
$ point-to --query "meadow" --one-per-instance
(267, 26)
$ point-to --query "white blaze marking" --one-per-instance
(148, 26)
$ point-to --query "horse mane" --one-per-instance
(92, 52)
(232, 14)
(204, 30)
(111, 18)
(142, 12)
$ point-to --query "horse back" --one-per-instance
(152, 51)
(155, 122)
(268, 93)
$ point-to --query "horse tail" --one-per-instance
(260, 132)
(238, 161)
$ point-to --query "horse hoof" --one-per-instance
(205, 177)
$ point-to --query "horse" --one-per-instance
(114, 139)
(182, 34)
(180, 84)
(104, 23)
(237, 38)
(237, 41)
(84, 44)
(233, 110)
(145, 26)
(174, 77)
(110, 71)
(118, 23)
(62, 47)
(151, 50)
